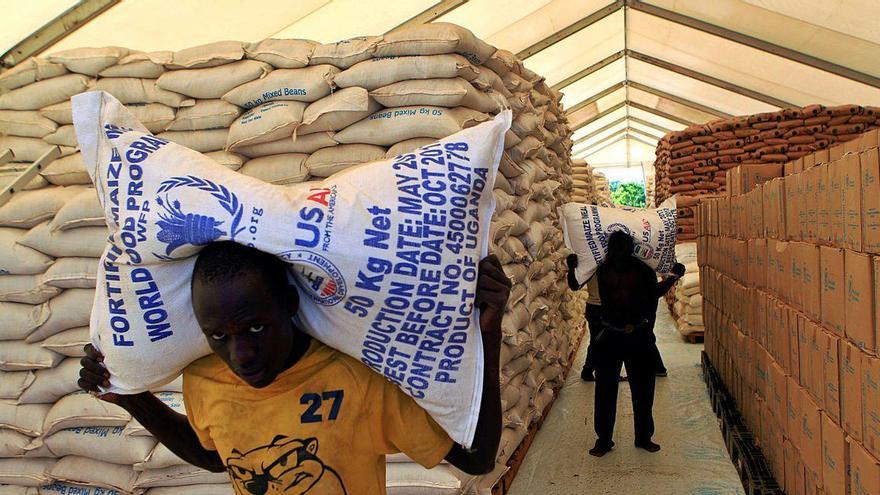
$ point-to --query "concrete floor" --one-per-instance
(693, 460)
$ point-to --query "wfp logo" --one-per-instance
(177, 228)
(325, 283)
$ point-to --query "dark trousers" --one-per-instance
(636, 351)
(594, 324)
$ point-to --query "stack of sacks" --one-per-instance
(603, 189)
(284, 111)
(687, 302)
(693, 161)
(583, 189)
(650, 191)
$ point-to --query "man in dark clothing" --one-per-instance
(593, 315)
(629, 291)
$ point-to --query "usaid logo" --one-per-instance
(325, 283)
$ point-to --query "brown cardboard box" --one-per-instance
(756, 211)
(772, 261)
(801, 481)
(864, 471)
(870, 201)
(835, 152)
(778, 395)
(831, 375)
(794, 355)
(833, 289)
(747, 177)
(835, 198)
(870, 139)
(851, 146)
(817, 355)
(793, 409)
(823, 206)
(871, 403)
(796, 274)
(852, 202)
(851, 389)
(783, 267)
(860, 300)
(811, 435)
(790, 454)
(762, 372)
(806, 335)
(822, 156)
(812, 277)
(814, 197)
(835, 458)
(792, 207)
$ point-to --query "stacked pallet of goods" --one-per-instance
(685, 301)
(583, 189)
(603, 189)
(650, 190)
(284, 111)
(693, 164)
(790, 270)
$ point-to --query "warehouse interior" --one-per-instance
(741, 110)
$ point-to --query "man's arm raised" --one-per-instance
(493, 290)
(169, 427)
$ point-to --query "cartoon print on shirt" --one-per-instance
(287, 466)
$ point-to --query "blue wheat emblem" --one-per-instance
(178, 228)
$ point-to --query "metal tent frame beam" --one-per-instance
(758, 44)
(661, 113)
(644, 134)
(54, 30)
(434, 12)
(643, 141)
(652, 125)
(679, 100)
(605, 62)
(600, 130)
(601, 141)
(600, 115)
(596, 97)
(589, 151)
(720, 83)
(571, 29)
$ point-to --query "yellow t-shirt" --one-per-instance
(322, 427)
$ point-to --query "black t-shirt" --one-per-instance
(629, 292)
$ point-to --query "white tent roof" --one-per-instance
(630, 70)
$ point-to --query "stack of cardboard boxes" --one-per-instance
(790, 274)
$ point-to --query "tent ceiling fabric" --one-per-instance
(658, 64)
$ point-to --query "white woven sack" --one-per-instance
(30, 71)
(586, 229)
(16, 259)
(102, 443)
(141, 349)
(81, 409)
(91, 472)
(19, 320)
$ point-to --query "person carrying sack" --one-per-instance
(593, 315)
(629, 291)
(283, 413)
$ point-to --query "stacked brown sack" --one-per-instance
(693, 161)
(583, 188)
(285, 111)
(603, 189)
